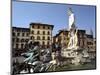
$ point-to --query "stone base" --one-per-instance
(77, 54)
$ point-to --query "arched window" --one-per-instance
(17, 46)
(38, 32)
(18, 34)
(48, 38)
(14, 34)
(43, 38)
(32, 32)
(38, 37)
(43, 27)
(43, 43)
(48, 27)
(48, 33)
(48, 43)
(32, 37)
(43, 32)
(17, 40)
(32, 26)
(22, 45)
(26, 40)
(27, 34)
(22, 40)
(23, 34)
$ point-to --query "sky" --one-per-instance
(23, 13)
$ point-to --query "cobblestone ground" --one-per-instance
(70, 67)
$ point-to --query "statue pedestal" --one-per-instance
(79, 55)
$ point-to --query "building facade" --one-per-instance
(41, 33)
(36, 32)
(91, 45)
(62, 37)
(84, 40)
(20, 37)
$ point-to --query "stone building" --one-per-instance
(41, 33)
(89, 41)
(20, 37)
(94, 43)
(36, 32)
(63, 36)
(82, 39)
(91, 46)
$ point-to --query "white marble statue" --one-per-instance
(72, 30)
(71, 19)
